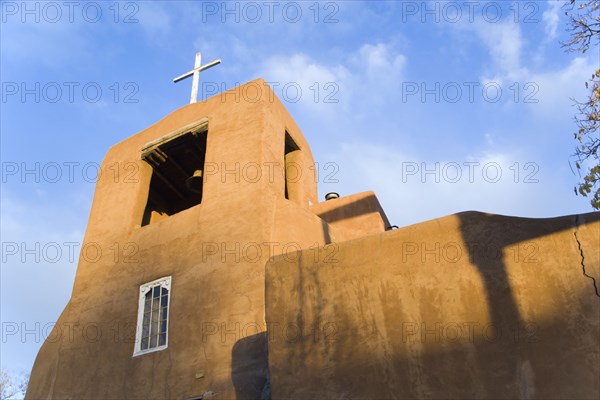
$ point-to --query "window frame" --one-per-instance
(164, 282)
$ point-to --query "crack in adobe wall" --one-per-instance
(582, 256)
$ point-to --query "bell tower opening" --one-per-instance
(292, 169)
(177, 162)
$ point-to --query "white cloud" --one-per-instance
(380, 61)
(302, 69)
(504, 44)
(361, 81)
(557, 87)
(546, 91)
(155, 19)
(551, 18)
(300, 79)
(412, 188)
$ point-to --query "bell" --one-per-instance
(194, 182)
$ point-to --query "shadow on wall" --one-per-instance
(250, 367)
(341, 211)
(481, 232)
(378, 350)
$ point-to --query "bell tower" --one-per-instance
(169, 296)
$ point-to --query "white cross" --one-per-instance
(196, 73)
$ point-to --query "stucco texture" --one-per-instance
(466, 306)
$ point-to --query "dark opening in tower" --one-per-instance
(293, 169)
(177, 162)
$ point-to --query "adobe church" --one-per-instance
(231, 279)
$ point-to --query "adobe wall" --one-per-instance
(466, 306)
(210, 250)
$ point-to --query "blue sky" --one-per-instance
(478, 94)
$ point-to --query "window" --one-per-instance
(153, 316)
(177, 162)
